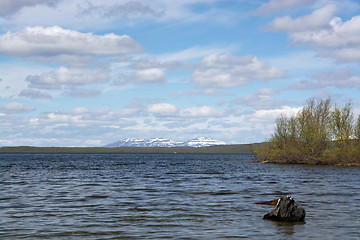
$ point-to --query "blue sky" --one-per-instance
(91, 72)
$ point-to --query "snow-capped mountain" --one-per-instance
(204, 142)
(152, 142)
(163, 142)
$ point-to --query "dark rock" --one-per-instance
(286, 210)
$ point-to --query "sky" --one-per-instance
(92, 72)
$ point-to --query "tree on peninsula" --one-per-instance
(321, 133)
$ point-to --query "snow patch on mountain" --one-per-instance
(204, 142)
(163, 142)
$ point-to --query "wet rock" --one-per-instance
(286, 210)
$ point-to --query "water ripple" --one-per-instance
(172, 196)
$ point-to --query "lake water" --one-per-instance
(170, 196)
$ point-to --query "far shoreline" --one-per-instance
(233, 148)
(217, 149)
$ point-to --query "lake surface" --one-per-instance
(170, 196)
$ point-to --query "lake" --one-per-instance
(171, 196)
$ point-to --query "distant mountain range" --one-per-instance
(162, 142)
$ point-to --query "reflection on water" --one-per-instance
(285, 228)
(179, 196)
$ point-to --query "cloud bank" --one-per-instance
(328, 35)
(120, 10)
(52, 41)
(227, 71)
(340, 78)
(67, 76)
(15, 107)
(9, 7)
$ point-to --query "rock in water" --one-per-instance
(286, 210)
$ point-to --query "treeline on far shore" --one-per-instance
(235, 148)
(321, 133)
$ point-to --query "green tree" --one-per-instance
(357, 130)
(342, 124)
(314, 122)
(281, 133)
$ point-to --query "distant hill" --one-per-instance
(163, 142)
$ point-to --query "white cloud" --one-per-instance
(226, 71)
(328, 35)
(204, 111)
(84, 93)
(266, 115)
(274, 6)
(261, 99)
(34, 94)
(341, 34)
(80, 110)
(152, 62)
(67, 76)
(170, 110)
(162, 109)
(15, 107)
(150, 75)
(78, 119)
(341, 41)
(319, 19)
(103, 14)
(52, 41)
(131, 9)
(9, 7)
(340, 78)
